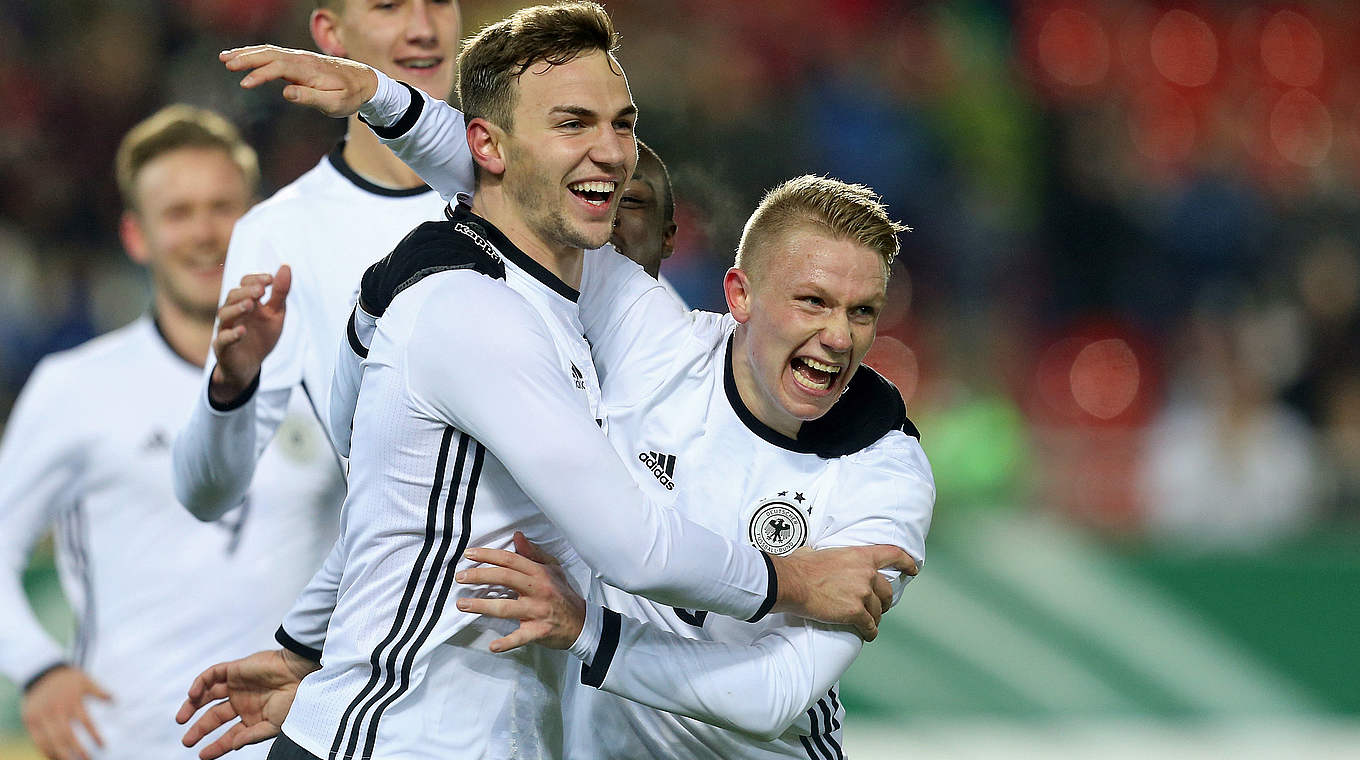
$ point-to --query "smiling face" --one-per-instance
(415, 41)
(570, 150)
(641, 230)
(186, 202)
(808, 317)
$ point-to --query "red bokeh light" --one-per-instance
(1292, 49)
(1301, 128)
(895, 361)
(1073, 49)
(1105, 378)
(1184, 49)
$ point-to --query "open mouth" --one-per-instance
(597, 193)
(812, 374)
(420, 63)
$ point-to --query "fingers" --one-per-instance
(867, 628)
(237, 737)
(501, 558)
(526, 548)
(219, 714)
(85, 721)
(56, 740)
(283, 282)
(491, 575)
(882, 591)
(887, 555)
(509, 609)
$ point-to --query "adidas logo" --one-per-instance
(661, 465)
(578, 377)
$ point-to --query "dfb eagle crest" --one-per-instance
(777, 527)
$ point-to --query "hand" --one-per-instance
(257, 689)
(550, 611)
(247, 330)
(333, 86)
(51, 707)
(841, 586)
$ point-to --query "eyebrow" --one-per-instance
(582, 111)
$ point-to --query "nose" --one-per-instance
(835, 334)
(612, 149)
(419, 25)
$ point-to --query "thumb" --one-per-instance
(283, 281)
(530, 550)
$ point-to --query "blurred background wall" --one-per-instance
(1127, 320)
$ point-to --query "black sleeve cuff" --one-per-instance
(39, 676)
(771, 591)
(594, 673)
(295, 646)
(355, 345)
(237, 402)
(407, 119)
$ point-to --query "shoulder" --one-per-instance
(870, 408)
(302, 195)
(76, 372)
(430, 248)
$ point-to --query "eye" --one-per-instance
(864, 313)
(624, 125)
(630, 201)
(813, 301)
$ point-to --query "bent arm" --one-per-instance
(429, 135)
(303, 630)
(513, 399)
(711, 681)
(39, 463)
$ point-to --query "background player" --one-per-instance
(87, 452)
(326, 227)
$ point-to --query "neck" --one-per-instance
(494, 205)
(188, 335)
(758, 403)
(373, 161)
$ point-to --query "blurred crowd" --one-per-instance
(1132, 292)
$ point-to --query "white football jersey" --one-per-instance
(158, 596)
(681, 683)
(328, 226)
(478, 415)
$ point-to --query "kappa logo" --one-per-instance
(578, 377)
(661, 465)
(777, 527)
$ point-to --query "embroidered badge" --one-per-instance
(777, 527)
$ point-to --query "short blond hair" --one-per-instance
(840, 209)
(175, 127)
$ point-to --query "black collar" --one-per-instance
(870, 408)
(337, 159)
(156, 322)
(460, 211)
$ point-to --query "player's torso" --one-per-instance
(414, 483)
(157, 594)
(329, 226)
(689, 448)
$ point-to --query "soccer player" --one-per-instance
(87, 453)
(479, 407)
(644, 227)
(312, 239)
(815, 449)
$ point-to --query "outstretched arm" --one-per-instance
(425, 132)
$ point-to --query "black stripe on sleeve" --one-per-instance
(355, 344)
(594, 673)
(831, 727)
(771, 590)
(807, 741)
(296, 647)
(407, 120)
(478, 457)
(240, 399)
(413, 582)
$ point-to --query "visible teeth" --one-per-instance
(813, 363)
(808, 382)
(421, 63)
(593, 187)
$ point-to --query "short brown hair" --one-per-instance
(175, 127)
(843, 210)
(645, 154)
(501, 52)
